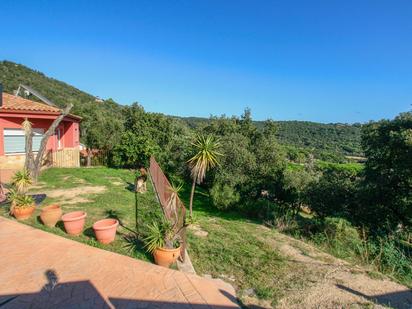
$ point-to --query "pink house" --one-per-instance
(62, 147)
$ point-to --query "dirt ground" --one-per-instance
(334, 283)
(73, 195)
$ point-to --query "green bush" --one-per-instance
(339, 237)
(386, 256)
(224, 196)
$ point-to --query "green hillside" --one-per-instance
(314, 137)
(341, 138)
(99, 118)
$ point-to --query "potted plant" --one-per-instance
(105, 230)
(22, 206)
(50, 215)
(74, 222)
(163, 242)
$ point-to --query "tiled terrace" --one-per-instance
(42, 270)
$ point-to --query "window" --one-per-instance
(14, 140)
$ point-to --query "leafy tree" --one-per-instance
(171, 137)
(133, 151)
(334, 194)
(296, 182)
(100, 130)
(388, 169)
(206, 157)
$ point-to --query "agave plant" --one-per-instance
(21, 181)
(19, 200)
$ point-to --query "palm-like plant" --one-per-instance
(206, 157)
(161, 235)
(21, 181)
(173, 201)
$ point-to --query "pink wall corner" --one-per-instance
(1, 140)
(69, 129)
(71, 134)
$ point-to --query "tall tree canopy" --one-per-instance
(388, 171)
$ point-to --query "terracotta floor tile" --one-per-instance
(42, 270)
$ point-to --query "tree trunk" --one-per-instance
(192, 193)
(89, 157)
(34, 166)
(29, 161)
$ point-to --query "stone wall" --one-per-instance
(9, 164)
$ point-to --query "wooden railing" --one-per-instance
(174, 210)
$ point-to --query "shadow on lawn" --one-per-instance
(39, 198)
(399, 300)
(130, 187)
(133, 238)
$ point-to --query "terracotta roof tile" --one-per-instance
(15, 103)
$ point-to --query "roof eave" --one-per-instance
(20, 111)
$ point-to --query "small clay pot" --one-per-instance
(105, 230)
(23, 213)
(166, 257)
(74, 222)
(50, 215)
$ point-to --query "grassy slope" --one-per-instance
(238, 251)
(117, 200)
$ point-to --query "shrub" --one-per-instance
(386, 256)
(223, 196)
(339, 237)
(334, 194)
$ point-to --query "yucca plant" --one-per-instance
(21, 181)
(205, 158)
(161, 235)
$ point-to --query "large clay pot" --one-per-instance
(166, 257)
(50, 215)
(105, 230)
(23, 213)
(74, 222)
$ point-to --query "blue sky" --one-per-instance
(328, 61)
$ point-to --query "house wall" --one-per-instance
(15, 123)
(69, 140)
(71, 136)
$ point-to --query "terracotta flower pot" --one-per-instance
(105, 230)
(166, 257)
(23, 213)
(50, 215)
(74, 222)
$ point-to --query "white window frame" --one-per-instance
(18, 132)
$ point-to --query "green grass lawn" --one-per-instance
(239, 251)
(115, 199)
